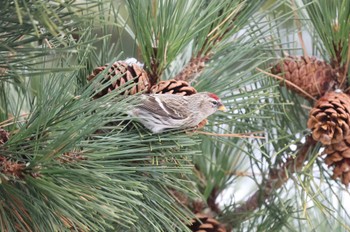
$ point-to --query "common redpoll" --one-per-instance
(159, 112)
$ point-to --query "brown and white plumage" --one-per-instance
(159, 112)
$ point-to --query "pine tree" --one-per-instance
(71, 159)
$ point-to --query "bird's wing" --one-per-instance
(165, 106)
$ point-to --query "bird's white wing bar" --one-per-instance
(161, 104)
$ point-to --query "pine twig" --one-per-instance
(346, 67)
(154, 76)
(276, 178)
(300, 33)
(11, 120)
(240, 135)
(211, 201)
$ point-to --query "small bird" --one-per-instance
(160, 112)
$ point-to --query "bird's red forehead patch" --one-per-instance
(212, 95)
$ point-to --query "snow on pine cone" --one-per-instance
(123, 72)
(173, 87)
(205, 223)
(314, 76)
(329, 121)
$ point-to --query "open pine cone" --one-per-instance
(342, 171)
(205, 223)
(314, 76)
(338, 155)
(124, 72)
(173, 87)
(329, 120)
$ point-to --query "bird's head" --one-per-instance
(209, 103)
(215, 102)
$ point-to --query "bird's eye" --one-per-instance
(215, 103)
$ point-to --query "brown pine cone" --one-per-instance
(173, 87)
(12, 168)
(338, 156)
(124, 72)
(206, 223)
(4, 136)
(342, 171)
(194, 68)
(314, 76)
(329, 120)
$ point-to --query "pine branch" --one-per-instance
(275, 180)
(211, 201)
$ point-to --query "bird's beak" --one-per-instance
(222, 108)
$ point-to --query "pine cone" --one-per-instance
(4, 136)
(206, 224)
(314, 76)
(329, 120)
(338, 156)
(193, 69)
(124, 72)
(12, 168)
(173, 87)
